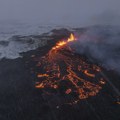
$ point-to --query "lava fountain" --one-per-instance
(62, 72)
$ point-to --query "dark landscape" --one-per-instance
(24, 94)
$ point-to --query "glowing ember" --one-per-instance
(89, 74)
(68, 73)
(68, 91)
(62, 43)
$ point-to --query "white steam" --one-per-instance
(101, 44)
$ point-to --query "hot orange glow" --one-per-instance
(62, 43)
(42, 75)
(71, 38)
(89, 74)
(63, 69)
(39, 85)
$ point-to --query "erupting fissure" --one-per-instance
(62, 71)
(62, 43)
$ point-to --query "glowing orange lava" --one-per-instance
(67, 73)
(62, 43)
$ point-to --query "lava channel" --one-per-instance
(64, 73)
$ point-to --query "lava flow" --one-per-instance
(65, 73)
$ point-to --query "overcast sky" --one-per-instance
(61, 11)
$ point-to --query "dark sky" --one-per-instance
(61, 11)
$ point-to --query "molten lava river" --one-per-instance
(67, 76)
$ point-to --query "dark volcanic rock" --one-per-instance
(20, 100)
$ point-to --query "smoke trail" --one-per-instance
(102, 44)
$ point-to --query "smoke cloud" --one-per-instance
(101, 44)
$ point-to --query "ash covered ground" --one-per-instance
(90, 91)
